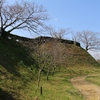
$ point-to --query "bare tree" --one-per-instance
(38, 56)
(25, 15)
(58, 34)
(89, 39)
(49, 55)
(42, 57)
(75, 38)
(56, 55)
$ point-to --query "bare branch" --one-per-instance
(58, 34)
(24, 15)
(89, 39)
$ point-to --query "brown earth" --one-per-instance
(89, 90)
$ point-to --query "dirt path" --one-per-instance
(89, 90)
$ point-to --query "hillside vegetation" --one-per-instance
(19, 66)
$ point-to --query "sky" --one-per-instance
(75, 14)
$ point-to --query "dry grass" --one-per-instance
(18, 74)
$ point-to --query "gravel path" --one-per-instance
(89, 90)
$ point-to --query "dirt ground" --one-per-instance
(89, 90)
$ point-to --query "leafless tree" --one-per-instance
(42, 57)
(49, 56)
(58, 34)
(25, 15)
(38, 56)
(75, 38)
(57, 52)
(89, 39)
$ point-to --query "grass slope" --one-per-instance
(74, 55)
(18, 73)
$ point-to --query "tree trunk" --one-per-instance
(47, 77)
(39, 76)
(54, 68)
(53, 71)
(4, 33)
(86, 47)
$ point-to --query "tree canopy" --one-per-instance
(89, 39)
(24, 15)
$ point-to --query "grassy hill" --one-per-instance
(19, 71)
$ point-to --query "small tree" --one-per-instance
(75, 38)
(42, 56)
(60, 34)
(49, 55)
(24, 15)
(38, 56)
(57, 56)
(90, 40)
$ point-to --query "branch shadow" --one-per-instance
(4, 95)
(14, 56)
(13, 53)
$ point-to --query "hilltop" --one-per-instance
(74, 52)
(19, 68)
